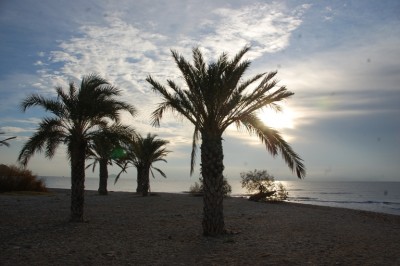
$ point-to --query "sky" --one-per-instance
(340, 58)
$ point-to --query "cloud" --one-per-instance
(126, 52)
(14, 88)
(266, 27)
(350, 67)
(21, 128)
(119, 51)
(12, 130)
(354, 79)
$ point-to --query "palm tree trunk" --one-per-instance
(77, 182)
(103, 177)
(145, 180)
(212, 168)
(139, 188)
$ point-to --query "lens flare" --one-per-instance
(118, 153)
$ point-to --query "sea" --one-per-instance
(382, 197)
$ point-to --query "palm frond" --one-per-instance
(159, 171)
(199, 63)
(4, 141)
(274, 142)
(146, 151)
(196, 137)
(123, 167)
(216, 95)
(238, 57)
(48, 104)
(49, 132)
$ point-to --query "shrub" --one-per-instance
(197, 188)
(264, 185)
(13, 178)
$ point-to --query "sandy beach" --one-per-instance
(165, 229)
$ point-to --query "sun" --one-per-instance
(277, 120)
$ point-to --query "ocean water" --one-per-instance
(370, 196)
(381, 197)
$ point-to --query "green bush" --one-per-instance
(197, 188)
(264, 185)
(13, 178)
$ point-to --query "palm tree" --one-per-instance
(106, 148)
(78, 115)
(142, 153)
(215, 97)
(4, 141)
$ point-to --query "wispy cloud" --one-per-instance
(126, 53)
(12, 130)
(14, 87)
(266, 27)
(119, 51)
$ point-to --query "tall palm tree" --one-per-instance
(215, 97)
(106, 148)
(142, 153)
(78, 115)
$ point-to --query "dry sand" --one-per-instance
(165, 229)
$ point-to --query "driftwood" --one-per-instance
(261, 195)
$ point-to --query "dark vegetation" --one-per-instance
(105, 149)
(264, 186)
(198, 188)
(142, 153)
(13, 178)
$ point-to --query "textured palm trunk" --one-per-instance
(145, 180)
(77, 181)
(103, 177)
(139, 188)
(212, 168)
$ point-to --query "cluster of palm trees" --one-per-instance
(215, 96)
(81, 120)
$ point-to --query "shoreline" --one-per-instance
(241, 196)
(165, 229)
(370, 196)
(247, 194)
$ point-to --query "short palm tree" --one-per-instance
(78, 115)
(215, 97)
(142, 153)
(105, 148)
